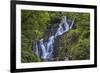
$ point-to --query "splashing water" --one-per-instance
(44, 49)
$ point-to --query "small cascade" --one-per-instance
(44, 49)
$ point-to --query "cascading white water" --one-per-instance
(44, 49)
(63, 27)
(47, 48)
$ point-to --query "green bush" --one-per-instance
(29, 57)
(81, 51)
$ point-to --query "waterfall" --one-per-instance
(63, 27)
(44, 49)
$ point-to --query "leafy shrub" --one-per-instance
(29, 57)
(81, 51)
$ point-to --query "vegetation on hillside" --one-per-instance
(74, 44)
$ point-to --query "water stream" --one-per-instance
(44, 48)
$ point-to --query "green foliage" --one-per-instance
(33, 23)
(29, 57)
(74, 44)
(80, 51)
